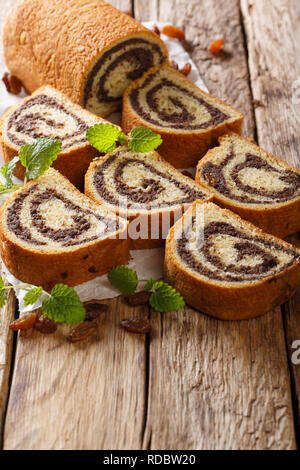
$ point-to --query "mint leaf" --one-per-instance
(103, 137)
(38, 156)
(3, 296)
(124, 279)
(165, 298)
(123, 139)
(142, 139)
(149, 284)
(7, 171)
(64, 305)
(33, 295)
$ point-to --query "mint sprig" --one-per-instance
(62, 305)
(105, 137)
(36, 157)
(164, 298)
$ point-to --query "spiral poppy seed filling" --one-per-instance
(232, 171)
(36, 203)
(141, 183)
(114, 70)
(34, 120)
(230, 254)
(177, 114)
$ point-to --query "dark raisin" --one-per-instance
(45, 325)
(136, 325)
(93, 310)
(12, 83)
(186, 69)
(82, 331)
(139, 298)
(156, 30)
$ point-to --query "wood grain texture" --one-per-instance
(217, 385)
(89, 395)
(225, 74)
(273, 36)
(7, 315)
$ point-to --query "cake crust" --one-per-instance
(182, 149)
(230, 301)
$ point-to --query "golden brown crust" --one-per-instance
(228, 302)
(72, 267)
(60, 51)
(141, 244)
(72, 164)
(280, 221)
(181, 149)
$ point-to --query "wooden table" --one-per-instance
(194, 383)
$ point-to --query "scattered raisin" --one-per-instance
(186, 69)
(174, 65)
(187, 173)
(216, 46)
(139, 298)
(45, 325)
(93, 310)
(82, 331)
(136, 325)
(24, 323)
(12, 83)
(173, 32)
(156, 29)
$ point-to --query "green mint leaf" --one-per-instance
(103, 137)
(64, 305)
(3, 296)
(124, 279)
(33, 295)
(149, 284)
(123, 139)
(38, 156)
(7, 171)
(165, 298)
(142, 139)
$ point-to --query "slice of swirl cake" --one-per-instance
(188, 119)
(226, 267)
(85, 48)
(50, 114)
(51, 233)
(253, 183)
(144, 188)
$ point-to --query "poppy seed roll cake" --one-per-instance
(188, 119)
(87, 49)
(48, 113)
(144, 187)
(253, 183)
(226, 267)
(51, 233)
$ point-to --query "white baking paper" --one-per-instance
(147, 263)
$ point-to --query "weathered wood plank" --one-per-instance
(79, 396)
(216, 385)
(226, 74)
(7, 315)
(66, 396)
(273, 40)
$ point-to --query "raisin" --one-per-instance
(216, 46)
(93, 310)
(12, 83)
(82, 331)
(45, 325)
(173, 32)
(186, 69)
(174, 65)
(156, 30)
(136, 325)
(139, 298)
(24, 323)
